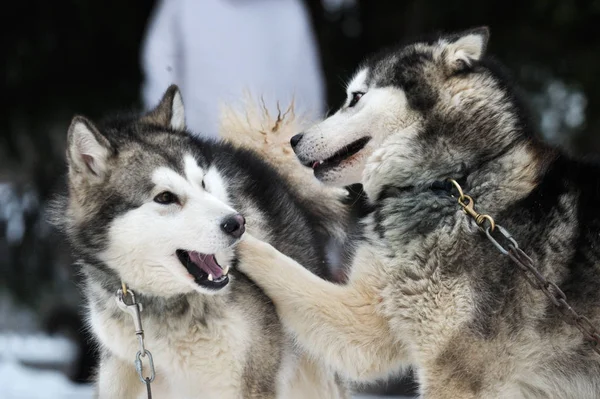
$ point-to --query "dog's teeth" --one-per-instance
(210, 277)
(321, 162)
(226, 270)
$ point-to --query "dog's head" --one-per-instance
(439, 92)
(145, 201)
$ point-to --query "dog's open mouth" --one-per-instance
(204, 268)
(339, 157)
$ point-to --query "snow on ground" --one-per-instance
(18, 381)
(21, 382)
(37, 348)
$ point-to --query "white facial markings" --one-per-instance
(193, 173)
(381, 113)
(166, 179)
(357, 84)
(143, 242)
(215, 185)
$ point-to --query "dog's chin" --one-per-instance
(340, 177)
(346, 172)
(342, 168)
(209, 291)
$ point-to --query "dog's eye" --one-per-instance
(355, 97)
(166, 198)
(203, 185)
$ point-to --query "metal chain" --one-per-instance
(148, 389)
(527, 266)
(134, 309)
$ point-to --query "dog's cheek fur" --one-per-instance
(140, 240)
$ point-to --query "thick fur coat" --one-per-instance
(154, 207)
(427, 289)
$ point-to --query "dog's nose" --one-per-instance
(234, 225)
(296, 139)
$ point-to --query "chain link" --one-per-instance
(527, 266)
(134, 309)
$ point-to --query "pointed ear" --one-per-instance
(169, 112)
(88, 150)
(467, 47)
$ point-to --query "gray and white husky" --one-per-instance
(153, 207)
(427, 289)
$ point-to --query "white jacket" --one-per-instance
(215, 50)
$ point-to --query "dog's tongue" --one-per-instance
(207, 263)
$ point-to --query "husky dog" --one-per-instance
(153, 207)
(427, 289)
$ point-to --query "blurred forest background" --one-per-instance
(67, 57)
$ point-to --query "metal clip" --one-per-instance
(134, 309)
(469, 207)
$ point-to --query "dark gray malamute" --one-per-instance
(427, 288)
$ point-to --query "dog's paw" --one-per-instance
(255, 254)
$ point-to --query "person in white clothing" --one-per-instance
(215, 50)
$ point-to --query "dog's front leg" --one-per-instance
(117, 379)
(338, 324)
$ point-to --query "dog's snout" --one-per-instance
(234, 225)
(296, 139)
